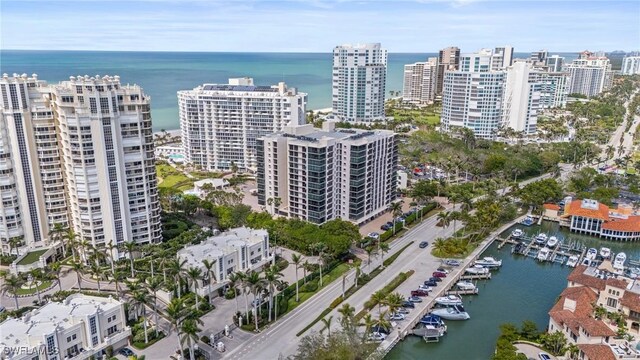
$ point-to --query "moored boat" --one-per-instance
(489, 262)
(541, 239)
(528, 221)
(572, 261)
(466, 285)
(553, 241)
(543, 254)
(456, 312)
(449, 300)
(619, 260)
(477, 270)
(591, 253)
(517, 234)
(605, 252)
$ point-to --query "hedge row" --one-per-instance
(399, 279)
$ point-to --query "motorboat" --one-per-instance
(553, 241)
(605, 252)
(429, 331)
(452, 262)
(619, 260)
(528, 221)
(591, 254)
(572, 261)
(632, 272)
(433, 320)
(543, 254)
(449, 300)
(489, 262)
(452, 313)
(466, 285)
(541, 239)
(477, 270)
(586, 262)
(517, 234)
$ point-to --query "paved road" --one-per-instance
(622, 137)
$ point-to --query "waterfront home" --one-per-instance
(80, 327)
(591, 217)
(240, 249)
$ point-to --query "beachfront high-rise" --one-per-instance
(589, 75)
(555, 63)
(80, 154)
(521, 98)
(501, 57)
(221, 122)
(419, 86)
(630, 65)
(31, 179)
(448, 59)
(359, 82)
(324, 174)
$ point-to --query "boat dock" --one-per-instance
(463, 292)
(467, 276)
(559, 254)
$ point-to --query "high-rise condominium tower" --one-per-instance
(220, 123)
(630, 65)
(448, 59)
(419, 86)
(555, 63)
(90, 139)
(359, 80)
(589, 75)
(522, 98)
(502, 57)
(324, 174)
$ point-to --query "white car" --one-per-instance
(425, 288)
(403, 311)
(374, 235)
(397, 317)
(376, 336)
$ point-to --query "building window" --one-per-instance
(611, 302)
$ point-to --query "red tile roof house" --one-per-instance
(590, 217)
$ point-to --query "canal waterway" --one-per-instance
(523, 289)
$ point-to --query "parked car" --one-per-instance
(126, 352)
(423, 245)
(408, 304)
(439, 274)
(435, 278)
(544, 356)
(403, 310)
(443, 270)
(419, 293)
(380, 329)
(452, 262)
(377, 337)
(431, 283)
(425, 288)
(374, 235)
(397, 317)
(386, 227)
(415, 299)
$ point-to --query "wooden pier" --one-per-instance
(503, 242)
(476, 276)
(463, 292)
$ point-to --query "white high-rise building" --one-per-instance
(324, 174)
(555, 63)
(359, 81)
(220, 123)
(420, 79)
(589, 75)
(487, 59)
(522, 98)
(539, 57)
(473, 100)
(502, 57)
(554, 89)
(630, 65)
(31, 181)
(78, 154)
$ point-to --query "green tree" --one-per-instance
(176, 313)
(296, 261)
(555, 342)
(11, 285)
(189, 336)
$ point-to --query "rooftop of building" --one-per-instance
(45, 320)
(246, 85)
(308, 133)
(597, 351)
(620, 219)
(223, 244)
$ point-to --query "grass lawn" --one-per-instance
(170, 177)
(31, 257)
(44, 285)
(425, 116)
(326, 280)
(142, 345)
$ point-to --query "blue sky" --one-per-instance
(318, 25)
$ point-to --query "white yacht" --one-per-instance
(572, 261)
(466, 285)
(543, 254)
(449, 300)
(605, 252)
(477, 270)
(591, 254)
(452, 313)
(489, 262)
(553, 241)
(541, 239)
(517, 234)
(619, 260)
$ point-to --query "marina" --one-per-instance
(532, 288)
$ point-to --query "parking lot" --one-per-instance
(375, 224)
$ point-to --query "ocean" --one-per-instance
(162, 74)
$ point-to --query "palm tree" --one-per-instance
(368, 324)
(153, 285)
(56, 269)
(71, 239)
(139, 301)
(131, 246)
(394, 301)
(296, 259)
(12, 284)
(36, 275)
(234, 279)
(57, 234)
(209, 273)
(306, 266)
(370, 250)
(323, 260)
(96, 272)
(444, 218)
(395, 208)
(327, 325)
(177, 269)
(379, 298)
(190, 332)
(381, 322)
(272, 281)
(14, 243)
(383, 248)
(118, 277)
(194, 274)
(176, 313)
(255, 283)
(347, 311)
(455, 216)
(110, 247)
(79, 268)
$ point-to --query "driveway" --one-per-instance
(531, 351)
(374, 225)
